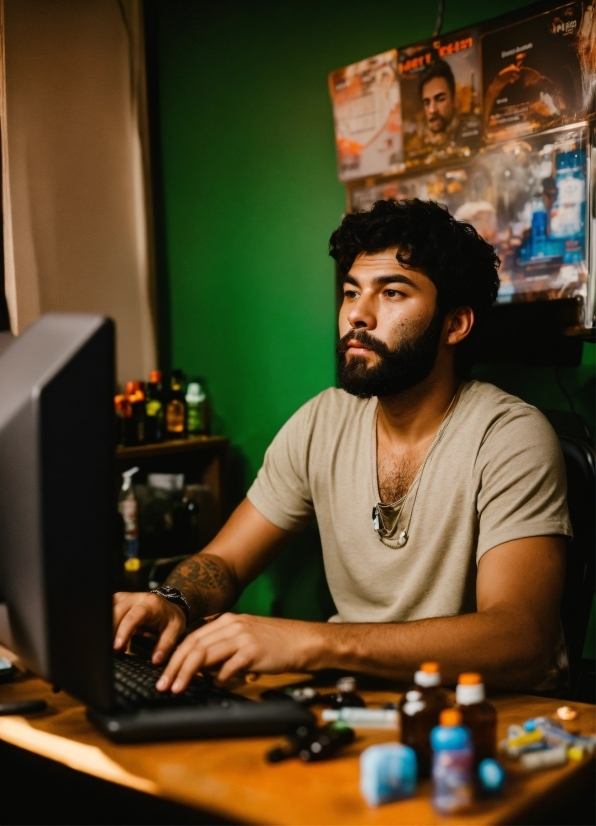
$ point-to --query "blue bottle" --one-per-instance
(452, 763)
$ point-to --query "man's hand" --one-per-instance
(238, 642)
(147, 612)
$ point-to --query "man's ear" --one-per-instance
(459, 326)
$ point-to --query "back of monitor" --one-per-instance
(56, 500)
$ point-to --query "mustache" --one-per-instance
(364, 338)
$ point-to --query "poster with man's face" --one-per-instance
(440, 91)
(367, 114)
(539, 73)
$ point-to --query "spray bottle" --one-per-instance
(129, 510)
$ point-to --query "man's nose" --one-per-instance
(362, 314)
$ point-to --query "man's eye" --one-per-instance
(393, 293)
(350, 294)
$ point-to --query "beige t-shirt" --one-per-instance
(495, 475)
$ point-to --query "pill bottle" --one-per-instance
(419, 711)
(452, 763)
(478, 715)
(346, 696)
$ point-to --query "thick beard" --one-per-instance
(409, 363)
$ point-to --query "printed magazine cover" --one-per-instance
(367, 113)
(539, 73)
(527, 198)
(440, 92)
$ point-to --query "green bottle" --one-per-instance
(196, 409)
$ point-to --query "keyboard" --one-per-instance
(141, 713)
(134, 683)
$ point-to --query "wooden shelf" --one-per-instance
(174, 446)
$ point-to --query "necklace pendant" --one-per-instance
(403, 538)
(375, 520)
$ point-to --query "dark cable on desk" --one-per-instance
(565, 392)
(440, 15)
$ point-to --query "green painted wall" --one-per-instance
(250, 199)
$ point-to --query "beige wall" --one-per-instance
(74, 161)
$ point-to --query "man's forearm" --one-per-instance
(508, 652)
(207, 583)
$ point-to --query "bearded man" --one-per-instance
(462, 560)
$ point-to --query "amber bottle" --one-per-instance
(419, 711)
(478, 715)
(176, 407)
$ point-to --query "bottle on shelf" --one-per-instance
(135, 425)
(154, 412)
(478, 715)
(452, 763)
(346, 696)
(419, 711)
(129, 510)
(196, 409)
(176, 407)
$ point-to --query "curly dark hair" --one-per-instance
(461, 264)
(438, 68)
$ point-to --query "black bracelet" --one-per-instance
(174, 596)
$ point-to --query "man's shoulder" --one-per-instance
(332, 404)
(488, 401)
(496, 413)
(327, 415)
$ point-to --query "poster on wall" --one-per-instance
(440, 92)
(367, 114)
(528, 198)
(539, 73)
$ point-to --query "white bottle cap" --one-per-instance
(427, 679)
(346, 685)
(194, 392)
(467, 695)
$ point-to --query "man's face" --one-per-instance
(388, 325)
(439, 106)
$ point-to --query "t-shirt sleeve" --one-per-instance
(522, 488)
(281, 491)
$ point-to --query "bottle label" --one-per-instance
(128, 509)
(154, 408)
(196, 418)
(175, 417)
(452, 780)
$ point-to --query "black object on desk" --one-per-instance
(23, 707)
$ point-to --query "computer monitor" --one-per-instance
(57, 500)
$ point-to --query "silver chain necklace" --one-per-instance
(377, 511)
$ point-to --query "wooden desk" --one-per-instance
(230, 779)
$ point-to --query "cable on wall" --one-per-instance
(440, 15)
(565, 392)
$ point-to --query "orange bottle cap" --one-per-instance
(469, 678)
(132, 387)
(122, 405)
(155, 376)
(450, 717)
(430, 668)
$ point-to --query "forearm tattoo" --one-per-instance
(206, 583)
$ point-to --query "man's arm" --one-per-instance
(210, 580)
(509, 639)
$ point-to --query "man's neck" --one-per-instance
(413, 417)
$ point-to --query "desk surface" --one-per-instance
(230, 778)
